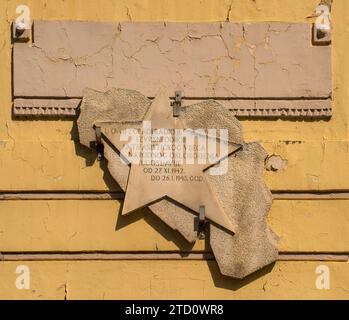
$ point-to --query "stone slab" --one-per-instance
(259, 60)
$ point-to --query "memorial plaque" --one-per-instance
(169, 160)
(158, 101)
(190, 167)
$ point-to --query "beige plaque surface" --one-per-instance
(184, 182)
(261, 69)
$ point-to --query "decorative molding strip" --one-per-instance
(46, 107)
(310, 109)
(54, 256)
(280, 108)
(283, 113)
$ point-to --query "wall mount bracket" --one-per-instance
(99, 145)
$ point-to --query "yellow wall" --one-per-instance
(42, 156)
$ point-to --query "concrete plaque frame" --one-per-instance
(263, 70)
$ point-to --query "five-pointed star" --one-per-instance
(185, 184)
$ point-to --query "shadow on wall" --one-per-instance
(226, 282)
(90, 157)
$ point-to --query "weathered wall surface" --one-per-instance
(40, 157)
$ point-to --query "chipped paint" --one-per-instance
(275, 163)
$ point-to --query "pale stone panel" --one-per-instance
(202, 59)
(316, 109)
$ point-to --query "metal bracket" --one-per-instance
(322, 26)
(202, 222)
(20, 32)
(99, 144)
(177, 103)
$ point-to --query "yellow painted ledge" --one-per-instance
(81, 225)
(169, 280)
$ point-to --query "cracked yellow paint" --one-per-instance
(41, 156)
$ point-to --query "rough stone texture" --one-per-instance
(177, 218)
(268, 60)
(242, 192)
(210, 114)
(113, 105)
(245, 197)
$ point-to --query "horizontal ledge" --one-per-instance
(316, 108)
(313, 257)
(62, 195)
(81, 195)
(311, 195)
(156, 256)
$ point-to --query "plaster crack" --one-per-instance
(229, 11)
(128, 13)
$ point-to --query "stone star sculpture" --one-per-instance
(189, 189)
